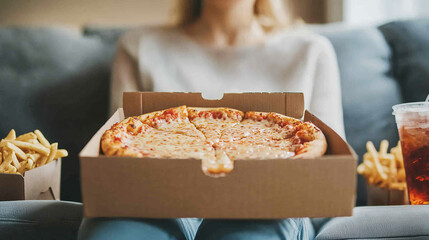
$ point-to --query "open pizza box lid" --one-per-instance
(255, 189)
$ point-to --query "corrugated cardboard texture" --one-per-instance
(171, 188)
(291, 104)
(37, 184)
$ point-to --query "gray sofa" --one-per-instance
(53, 79)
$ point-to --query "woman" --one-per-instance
(224, 46)
(231, 46)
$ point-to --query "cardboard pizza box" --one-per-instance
(255, 189)
(41, 183)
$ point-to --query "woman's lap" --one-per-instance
(292, 228)
(120, 228)
(105, 228)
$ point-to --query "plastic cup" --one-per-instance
(412, 120)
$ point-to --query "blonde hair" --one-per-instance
(271, 14)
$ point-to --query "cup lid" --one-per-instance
(411, 107)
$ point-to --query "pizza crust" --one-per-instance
(110, 141)
(221, 112)
(314, 148)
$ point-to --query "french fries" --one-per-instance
(27, 151)
(383, 169)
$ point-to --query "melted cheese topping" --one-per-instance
(174, 120)
(159, 144)
(259, 131)
(213, 128)
(251, 151)
(179, 126)
(248, 139)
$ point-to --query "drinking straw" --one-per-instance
(426, 104)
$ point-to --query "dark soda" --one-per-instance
(414, 135)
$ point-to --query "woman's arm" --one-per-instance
(124, 75)
(326, 97)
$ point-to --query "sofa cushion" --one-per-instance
(39, 220)
(368, 89)
(388, 222)
(57, 81)
(409, 41)
(105, 34)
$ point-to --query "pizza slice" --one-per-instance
(303, 138)
(131, 137)
(172, 120)
(272, 135)
(213, 121)
(218, 166)
(257, 127)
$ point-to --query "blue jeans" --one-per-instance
(192, 228)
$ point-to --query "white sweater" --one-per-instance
(160, 59)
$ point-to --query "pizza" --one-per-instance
(216, 136)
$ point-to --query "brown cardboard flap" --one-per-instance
(133, 102)
(290, 104)
(168, 188)
(336, 144)
(11, 187)
(93, 146)
(39, 180)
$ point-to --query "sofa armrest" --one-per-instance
(381, 222)
(39, 219)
